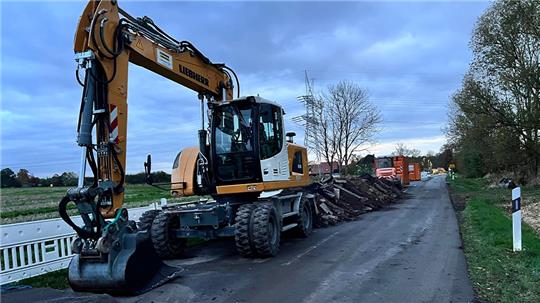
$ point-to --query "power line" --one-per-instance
(374, 71)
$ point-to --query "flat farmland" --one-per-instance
(37, 203)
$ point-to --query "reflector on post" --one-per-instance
(516, 218)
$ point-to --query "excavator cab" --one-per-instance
(247, 134)
(234, 142)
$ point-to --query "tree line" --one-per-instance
(494, 118)
(23, 178)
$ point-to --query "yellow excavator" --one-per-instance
(246, 167)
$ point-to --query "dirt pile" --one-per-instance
(344, 199)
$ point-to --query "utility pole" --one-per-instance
(309, 118)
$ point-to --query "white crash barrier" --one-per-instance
(34, 248)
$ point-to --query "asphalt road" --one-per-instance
(409, 252)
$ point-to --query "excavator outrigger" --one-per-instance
(243, 161)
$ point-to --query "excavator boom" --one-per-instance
(106, 41)
(113, 255)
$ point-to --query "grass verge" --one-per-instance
(55, 279)
(498, 274)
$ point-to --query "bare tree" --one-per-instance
(403, 150)
(416, 153)
(343, 120)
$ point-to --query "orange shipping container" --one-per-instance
(414, 172)
(402, 169)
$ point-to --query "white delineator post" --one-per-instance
(516, 218)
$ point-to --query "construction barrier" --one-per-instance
(34, 248)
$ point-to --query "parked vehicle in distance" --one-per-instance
(393, 168)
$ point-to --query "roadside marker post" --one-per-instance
(516, 218)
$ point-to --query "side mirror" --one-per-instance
(148, 170)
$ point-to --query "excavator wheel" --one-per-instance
(305, 219)
(166, 246)
(146, 219)
(242, 231)
(266, 230)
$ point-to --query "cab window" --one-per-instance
(176, 161)
(270, 130)
(297, 165)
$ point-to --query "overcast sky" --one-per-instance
(410, 56)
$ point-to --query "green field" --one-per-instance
(498, 274)
(36, 203)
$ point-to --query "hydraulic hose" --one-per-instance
(93, 36)
(107, 81)
(85, 234)
(93, 166)
(236, 78)
(118, 188)
(78, 77)
(116, 50)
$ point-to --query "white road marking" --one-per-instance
(196, 260)
(258, 261)
(297, 257)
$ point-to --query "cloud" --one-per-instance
(409, 56)
(392, 46)
(424, 144)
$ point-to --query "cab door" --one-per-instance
(234, 151)
(272, 146)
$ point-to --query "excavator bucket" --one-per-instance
(132, 267)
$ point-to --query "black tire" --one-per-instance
(305, 219)
(397, 183)
(165, 246)
(146, 219)
(266, 230)
(242, 230)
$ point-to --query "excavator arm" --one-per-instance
(112, 255)
(106, 41)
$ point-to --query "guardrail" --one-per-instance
(34, 248)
